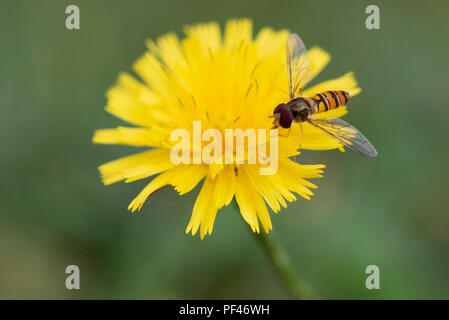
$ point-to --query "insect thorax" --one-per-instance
(300, 109)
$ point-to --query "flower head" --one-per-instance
(229, 81)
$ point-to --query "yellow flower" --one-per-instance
(227, 82)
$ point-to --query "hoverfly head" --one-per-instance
(282, 116)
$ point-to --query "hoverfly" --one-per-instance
(302, 109)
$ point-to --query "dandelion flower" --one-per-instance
(225, 81)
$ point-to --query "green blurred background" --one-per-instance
(391, 211)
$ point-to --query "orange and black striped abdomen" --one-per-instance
(329, 100)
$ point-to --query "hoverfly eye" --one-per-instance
(280, 108)
(286, 119)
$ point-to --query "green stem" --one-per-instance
(280, 263)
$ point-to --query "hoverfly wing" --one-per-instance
(298, 64)
(346, 134)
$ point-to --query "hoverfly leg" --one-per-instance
(302, 139)
(289, 129)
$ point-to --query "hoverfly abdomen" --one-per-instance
(329, 100)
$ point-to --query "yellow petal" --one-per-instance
(208, 33)
(124, 102)
(346, 82)
(236, 32)
(215, 169)
(183, 177)
(157, 183)
(270, 187)
(225, 186)
(186, 177)
(136, 167)
(204, 211)
(155, 75)
(251, 204)
(155, 136)
(137, 137)
(293, 174)
(168, 49)
(271, 43)
(318, 60)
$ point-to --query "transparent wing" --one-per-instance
(346, 134)
(298, 64)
